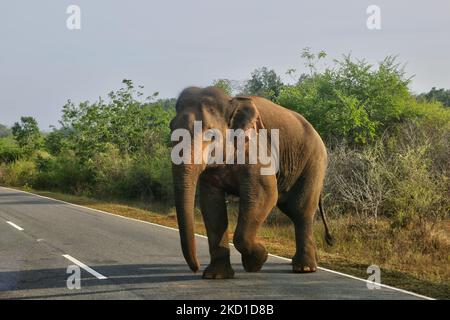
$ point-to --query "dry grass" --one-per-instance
(414, 258)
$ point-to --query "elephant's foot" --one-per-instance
(254, 262)
(305, 262)
(218, 270)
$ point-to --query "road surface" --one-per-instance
(123, 258)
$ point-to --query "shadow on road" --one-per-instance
(117, 274)
(175, 281)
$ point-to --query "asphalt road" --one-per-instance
(130, 259)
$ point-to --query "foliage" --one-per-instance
(4, 131)
(310, 60)
(265, 83)
(27, 134)
(56, 141)
(358, 182)
(20, 173)
(402, 177)
(145, 177)
(115, 148)
(9, 150)
(352, 101)
(225, 85)
(441, 95)
(124, 121)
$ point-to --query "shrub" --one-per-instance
(145, 176)
(352, 101)
(65, 173)
(9, 151)
(358, 181)
(418, 192)
(434, 94)
(19, 173)
(401, 177)
(4, 131)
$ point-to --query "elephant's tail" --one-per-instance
(328, 238)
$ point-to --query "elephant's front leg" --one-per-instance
(256, 202)
(214, 212)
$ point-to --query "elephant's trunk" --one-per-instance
(185, 182)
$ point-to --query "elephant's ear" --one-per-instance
(245, 115)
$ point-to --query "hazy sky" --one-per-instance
(168, 45)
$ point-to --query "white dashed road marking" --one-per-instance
(85, 267)
(14, 225)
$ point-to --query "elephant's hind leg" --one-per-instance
(214, 212)
(300, 207)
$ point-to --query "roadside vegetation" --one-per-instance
(387, 187)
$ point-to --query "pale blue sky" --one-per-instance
(168, 45)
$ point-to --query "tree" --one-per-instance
(225, 85)
(4, 131)
(353, 100)
(311, 60)
(440, 95)
(56, 140)
(27, 133)
(125, 121)
(265, 83)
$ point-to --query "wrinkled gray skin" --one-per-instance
(295, 189)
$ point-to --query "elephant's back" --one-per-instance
(299, 142)
(275, 116)
(290, 123)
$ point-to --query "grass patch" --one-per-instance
(414, 258)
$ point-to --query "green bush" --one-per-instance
(27, 134)
(352, 101)
(152, 172)
(19, 173)
(65, 173)
(9, 151)
(418, 194)
(111, 169)
(4, 131)
(441, 95)
(114, 148)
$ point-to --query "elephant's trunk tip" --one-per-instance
(194, 265)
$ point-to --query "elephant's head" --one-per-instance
(216, 110)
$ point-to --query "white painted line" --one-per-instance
(202, 236)
(363, 280)
(380, 284)
(85, 267)
(14, 225)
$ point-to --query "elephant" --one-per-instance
(295, 188)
